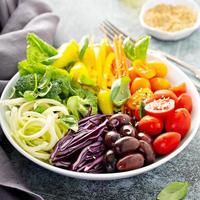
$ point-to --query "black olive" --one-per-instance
(110, 138)
(118, 120)
(110, 161)
(128, 130)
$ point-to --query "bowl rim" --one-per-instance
(169, 34)
(105, 176)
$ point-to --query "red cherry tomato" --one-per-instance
(160, 108)
(179, 89)
(166, 143)
(185, 101)
(165, 94)
(150, 125)
(179, 121)
(137, 113)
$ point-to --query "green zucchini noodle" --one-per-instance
(37, 133)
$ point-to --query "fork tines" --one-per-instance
(111, 30)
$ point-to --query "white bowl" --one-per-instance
(164, 35)
(175, 75)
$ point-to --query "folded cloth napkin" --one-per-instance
(17, 18)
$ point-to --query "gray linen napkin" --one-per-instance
(17, 18)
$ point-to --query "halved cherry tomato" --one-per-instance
(143, 94)
(184, 101)
(160, 68)
(179, 121)
(165, 94)
(137, 113)
(179, 89)
(150, 125)
(141, 69)
(159, 83)
(160, 107)
(166, 143)
(132, 73)
(139, 83)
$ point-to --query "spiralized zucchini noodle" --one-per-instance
(37, 133)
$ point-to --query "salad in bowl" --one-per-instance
(98, 111)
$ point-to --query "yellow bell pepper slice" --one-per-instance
(107, 72)
(105, 102)
(100, 61)
(68, 53)
(78, 70)
(89, 60)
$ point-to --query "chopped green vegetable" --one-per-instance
(84, 45)
(30, 95)
(142, 111)
(40, 109)
(141, 47)
(80, 107)
(70, 122)
(55, 91)
(25, 83)
(38, 50)
(120, 91)
(129, 49)
(174, 191)
(44, 91)
(137, 50)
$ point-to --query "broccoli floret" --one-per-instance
(80, 107)
(25, 83)
(55, 90)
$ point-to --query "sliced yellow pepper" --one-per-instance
(107, 72)
(67, 53)
(105, 102)
(78, 70)
(90, 61)
(100, 61)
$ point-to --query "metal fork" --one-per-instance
(111, 30)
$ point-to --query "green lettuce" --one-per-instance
(120, 92)
(137, 50)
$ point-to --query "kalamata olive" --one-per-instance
(130, 162)
(110, 161)
(118, 120)
(125, 145)
(110, 138)
(128, 130)
(109, 156)
(145, 137)
(148, 151)
(110, 168)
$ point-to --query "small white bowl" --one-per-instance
(173, 73)
(164, 35)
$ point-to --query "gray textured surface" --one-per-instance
(79, 17)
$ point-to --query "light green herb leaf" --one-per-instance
(137, 50)
(70, 122)
(129, 49)
(120, 91)
(174, 191)
(141, 47)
